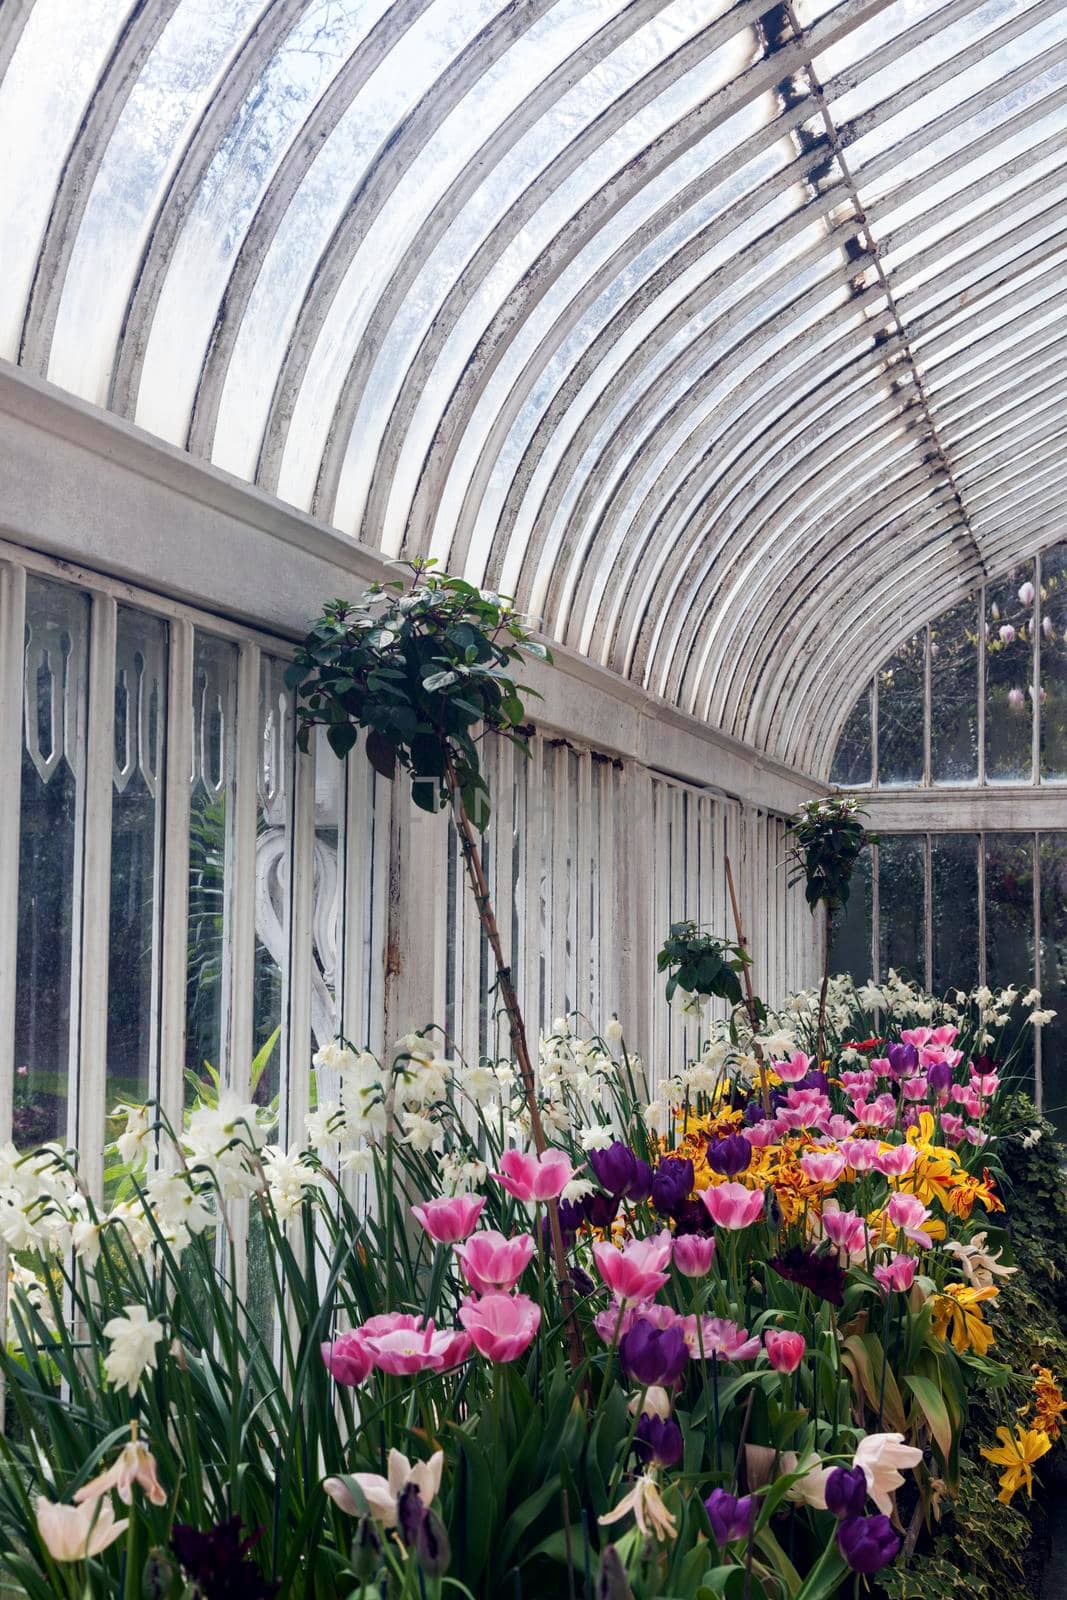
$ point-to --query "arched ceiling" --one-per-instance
(730, 339)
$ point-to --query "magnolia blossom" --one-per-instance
(881, 1455)
(382, 1494)
(135, 1464)
(133, 1339)
(74, 1533)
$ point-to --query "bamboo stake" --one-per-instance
(472, 858)
(750, 996)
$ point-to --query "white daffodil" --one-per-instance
(133, 1339)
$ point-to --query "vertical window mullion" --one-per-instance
(12, 661)
(177, 765)
(1035, 677)
(89, 1040)
(876, 945)
(928, 911)
(981, 910)
(927, 710)
(983, 624)
(242, 923)
(1037, 973)
(295, 1083)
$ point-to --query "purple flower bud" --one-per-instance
(730, 1155)
(730, 1518)
(652, 1355)
(693, 1217)
(903, 1059)
(615, 1167)
(410, 1513)
(582, 1282)
(672, 1184)
(867, 1543)
(601, 1209)
(754, 1113)
(846, 1491)
(658, 1441)
(939, 1076)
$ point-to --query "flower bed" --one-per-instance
(349, 1367)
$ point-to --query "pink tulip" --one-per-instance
(785, 1350)
(493, 1264)
(907, 1212)
(450, 1218)
(502, 1326)
(762, 1134)
(718, 1336)
(916, 1036)
(693, 1254)
(348, 1359)
(861, 1154)
(410, 1350)
(969, 1099)
(846, 1229)
(804, 1108)
(531, 1177)
(636, 1272)
(944, 1035)
(975, 1135)
(896, 1161)
(952, 1126)
(858, 1084)
(878, 1113)
(840, 1126)
(898, 1273)
(732, 1206)
(985, 1083)
(915, 1088)
(823, 1166)
(453, 1345)
(798, 1066)
(606, 1322)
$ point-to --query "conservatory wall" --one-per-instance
(961, 743)
(167, 847)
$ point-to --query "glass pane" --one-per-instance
(136, 842)
(1009, 677)
(326, 911)
(210, 851)
(852, 758)
(273, 846)
(850, 942)
(1054, 976)
(1009, 916)
(50, 825)
(901, 906)
(954, 892)
(900, 713)
(954, 695)
(1054, 663)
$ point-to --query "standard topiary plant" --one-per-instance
(829, 839)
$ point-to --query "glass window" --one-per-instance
(136, 843)
(850, 941)
(954, 695)
(1009, 915)
(1053, 647)
(210, 851)
(954, 896)
(852, 758)
(1009, 677)
(274, 788)
(1054, 976)
(50, 825)
(902, 905)
(901, 693)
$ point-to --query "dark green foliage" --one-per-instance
(829, 838)
(704, 964)
(417, 665)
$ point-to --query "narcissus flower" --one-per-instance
(133, 1339)
(1016, 1453)
(135, 1464)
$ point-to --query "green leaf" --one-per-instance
(934, 1410)
(341, 737)
(381, 752)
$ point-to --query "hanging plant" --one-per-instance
(418, 666)
(829, 840)
(702, 964)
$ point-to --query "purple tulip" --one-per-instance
(658, 1441)
(730, 1518)
(601, 1209)
(615, 1167)
(754, 1113)
(822, 1274)
(903, 1060)
(846, 1491)
(641, 1186)
(939, 1076)
(729, 1156)
(692, 1217)
(867, 1543)
(672, 1184)
(652, 1355)
(815, 1080)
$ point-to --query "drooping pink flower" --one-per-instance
(861, 1154)
(975, 1135)
(732, 1206)
(718, 1336)
(896, 1161)
(493, 1264)
(530, 1177)
(897, 1273)
(348, 1358)
(952, 1126)
(785, 1349)
(693, 1254)
(846, 1229)
(907, 1212)
(501, 1326)
(915, 1088)
(823, 1166)
(450, 1218)
(798, 1066)
(637, 1271)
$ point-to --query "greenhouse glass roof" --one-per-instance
(728, 338)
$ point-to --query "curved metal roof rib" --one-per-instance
(727, 336)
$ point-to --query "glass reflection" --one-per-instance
(852, 758)
(901, 692)
(1009, 625)
(1053, 648)
(954, 695)
(902, 906)
(954, 897)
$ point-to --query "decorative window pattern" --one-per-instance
(239, 902)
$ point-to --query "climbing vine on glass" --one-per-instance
(418, 663)
(702, 964)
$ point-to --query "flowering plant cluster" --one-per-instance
(340, 1367)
